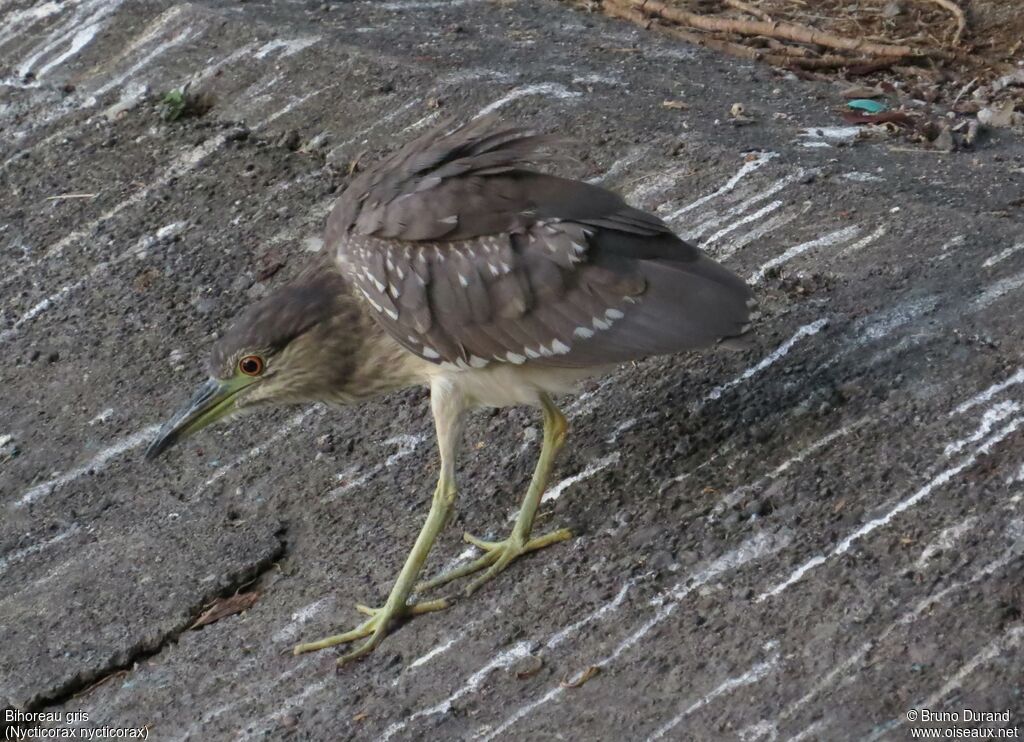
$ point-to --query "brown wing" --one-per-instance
(467, 256)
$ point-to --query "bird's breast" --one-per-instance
(508, 385)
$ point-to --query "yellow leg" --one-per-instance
(376, 628)
(499, 554)
(448, 416)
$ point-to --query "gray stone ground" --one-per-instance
(806, 540)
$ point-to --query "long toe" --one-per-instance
(376, 627)
(497, 555)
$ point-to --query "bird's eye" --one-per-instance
(251, 365)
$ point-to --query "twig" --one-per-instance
(781, 30)
(958, 14)
(64, 196)
(625, 9)
(868, 67)
(790, 51)
(749, 10)
(913, 151)
(963, 91)
(580, 679)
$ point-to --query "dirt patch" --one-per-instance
(912, 65)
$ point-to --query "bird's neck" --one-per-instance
(382, 365)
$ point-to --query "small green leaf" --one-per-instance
(172, 105)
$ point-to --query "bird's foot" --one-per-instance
(376, 628)
(497, 555)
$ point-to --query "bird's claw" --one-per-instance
(497, 555)
(375, 627)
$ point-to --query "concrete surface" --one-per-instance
(806, 540)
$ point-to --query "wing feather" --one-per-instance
(467, 255)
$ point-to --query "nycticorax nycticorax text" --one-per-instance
(460, 267)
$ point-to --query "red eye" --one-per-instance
(251, 365)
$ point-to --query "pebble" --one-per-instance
(325, 443)
(891, 10)
(290, 140)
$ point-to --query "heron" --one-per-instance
(458, 264)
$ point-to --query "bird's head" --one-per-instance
(290, 347)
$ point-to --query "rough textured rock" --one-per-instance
(819, 534)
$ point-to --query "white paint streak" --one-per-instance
(1009, 640)
(619, 166)
(500, 662)
(811, 732)
(288, 47)
(648, 188)
(22, 554)
(1002, 644)
(79, 29)
(255, 451)
(863, 242)
(817, 446)
(767, 227)
(143, 62)
(182, 164)
(552, 89)
(859, 177)
(835, 238)
(1003, 255)
(96, 463)
(752, 217)
(300, 618)
(817, 135)
(421, 4)
(887, 321)
(612, 605)
(843, 546)
(419, 124)
(806, 331)
(103, 416)
(995, 414)
(297, 700)
(755, 674)
(407, 445)
(625, 426)
(730, 215)
(844, 668)
(749, 166)
(987, 394)
(44, 305)
(290, 106)
(351, 481)
(18, 20)
(736, 495)
(945, 540)
(586, 401)
(435, 652)
(592, 469)
(464, 556)
(998, 290)
(386, 118)
(211, 70)
(761, 545)
(79, 42)
(952, 242)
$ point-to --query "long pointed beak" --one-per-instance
(212, 401)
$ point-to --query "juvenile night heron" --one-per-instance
(460, 267)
